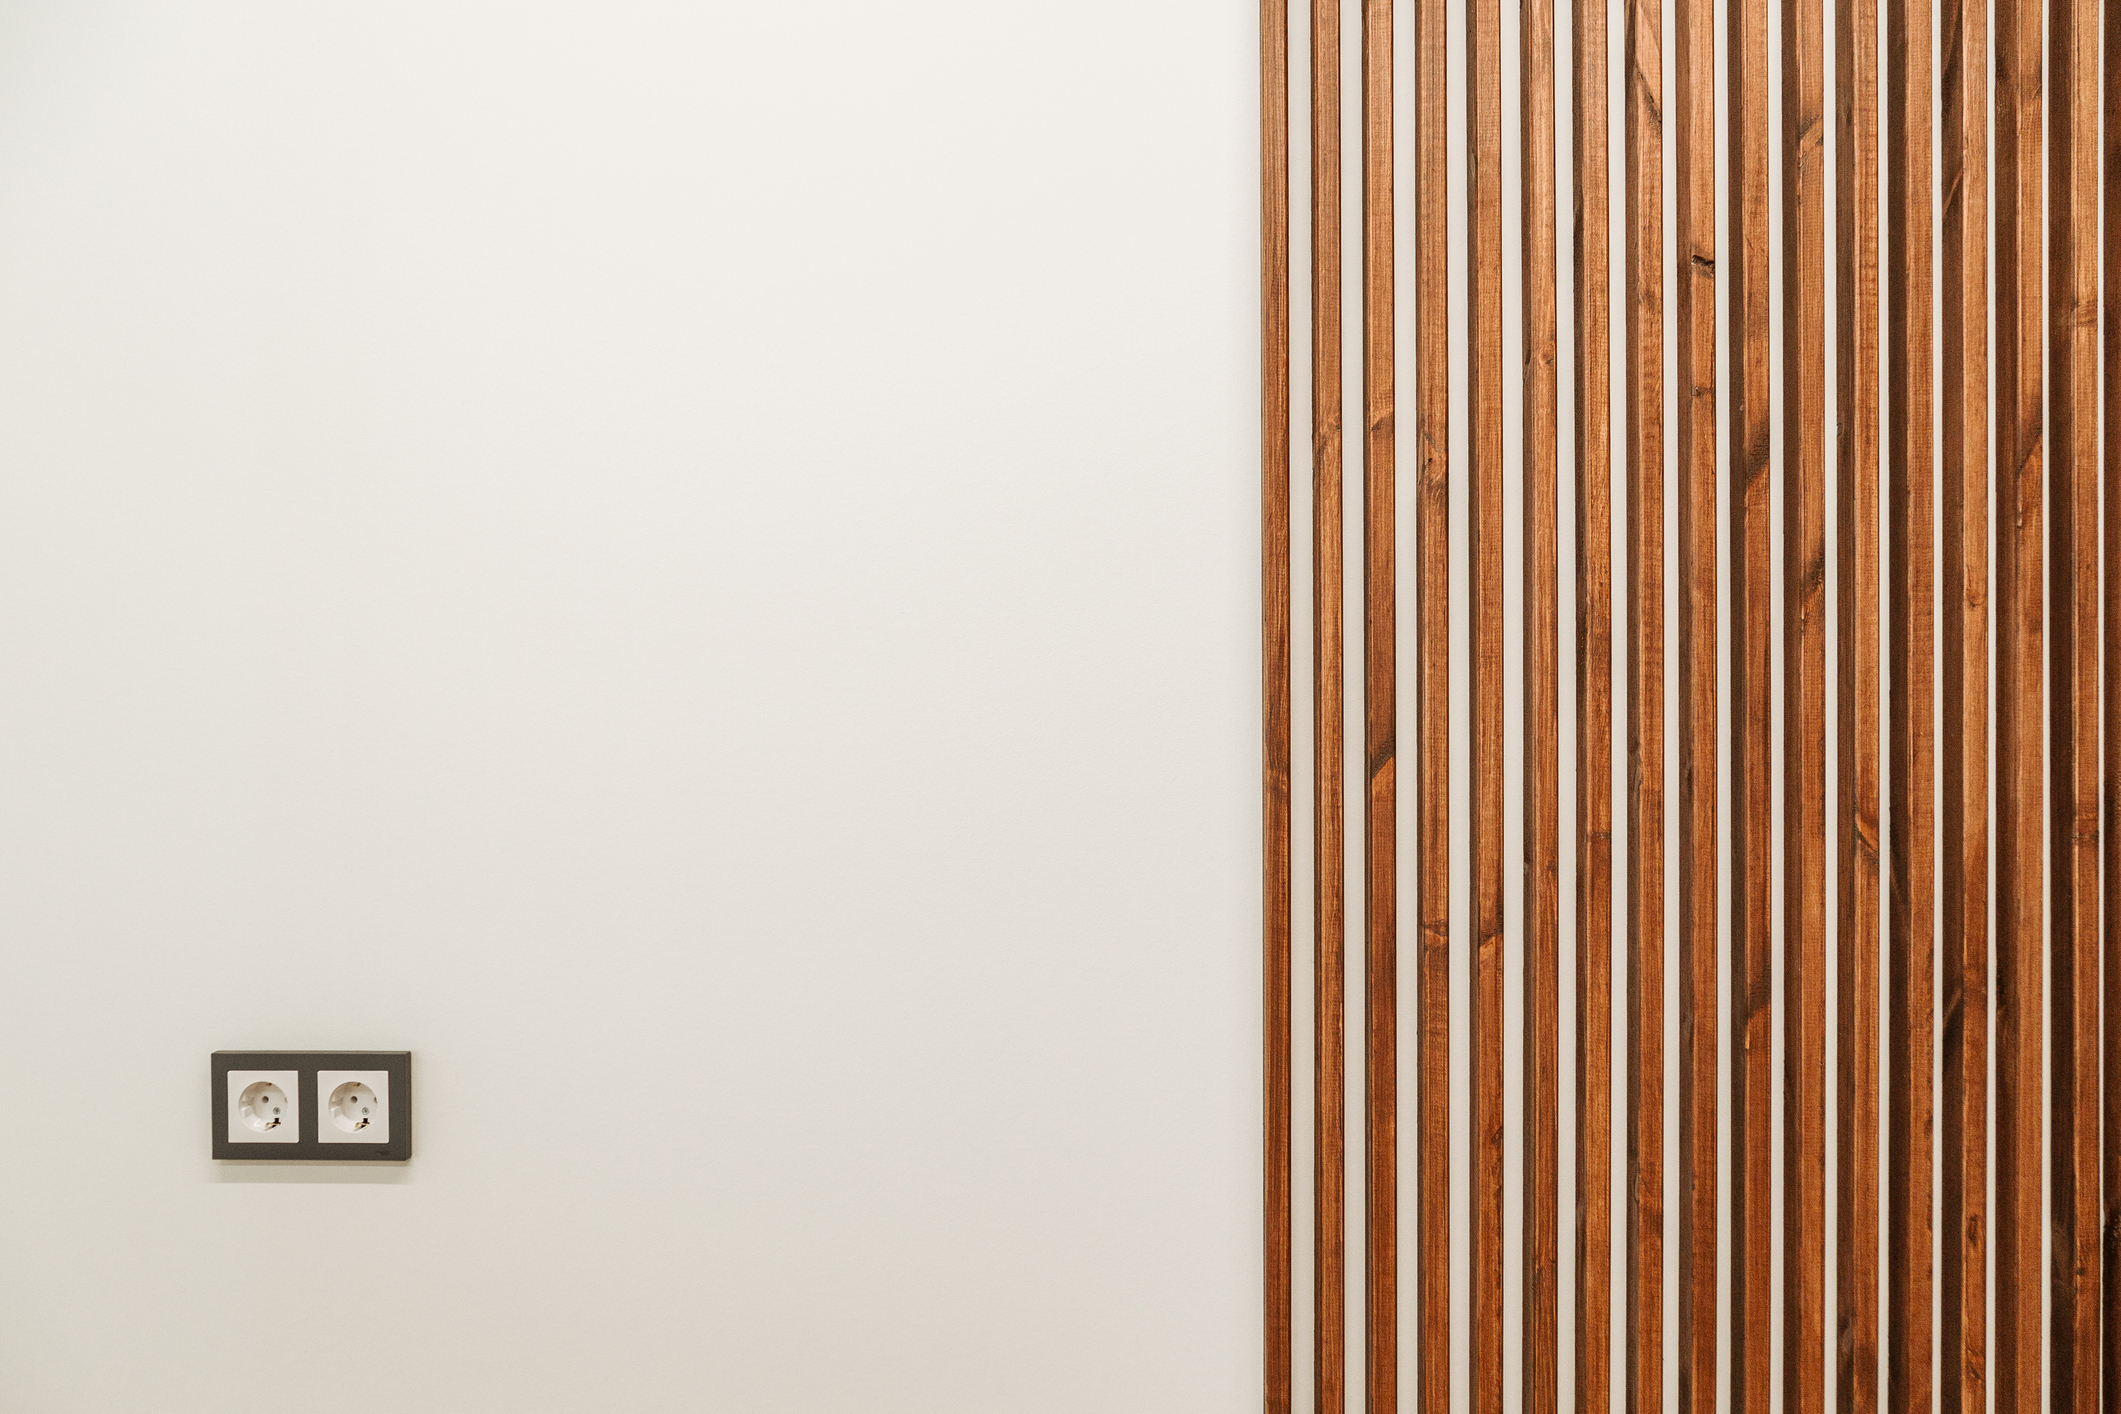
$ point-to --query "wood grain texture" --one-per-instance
(1274, 658)
(1432, 765)
(1963, 640)
(1380, 719)
(2073, 727)
(1329, 734)
(1484, 375)
(1643, 139)
(2019, 663)
(1856, 876)
(2110, 711)
(1591, 264)
(1540, 1324)
(1752, 744)
(1910, 710)
(1804, 707)
(1695, 333)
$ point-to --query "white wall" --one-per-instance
(696, 567)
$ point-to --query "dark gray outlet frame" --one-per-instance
(306, 1064)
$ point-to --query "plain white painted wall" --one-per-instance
(695, 566)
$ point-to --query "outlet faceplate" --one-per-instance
(346, 1106)
(353, 1106)
(263, 1107)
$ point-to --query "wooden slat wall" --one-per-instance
(2072, 439)
(1274, 657)
(1432, 723)
(1892, 776)
(1695, 334)
(1856, 831)
(1803, 456)
(1380, 595)
(1329, 1051)
(1541, 1331)
(2110, 706)
(1642, 142)
(1484, 378)
(2019, 604)
(1911, 712)
(1963, 636)
(1752, 746)
(1591, 268)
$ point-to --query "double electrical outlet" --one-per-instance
(313, 1105)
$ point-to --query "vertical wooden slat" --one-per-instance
(1542, 723)
(1911, 536)
(2019, 609)
(2073, 781)
(1856, 715)
(1804, 710)
(1590, 248)
(1380, 715)
(1695, 331)
(1274, 656)
(1484, 387)
(2110, 710)
(1329, 728)
(1752, 988)
(1963, 638)
(1432, 766)
(1644, 261)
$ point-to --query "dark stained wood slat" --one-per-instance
(1541, 1335)
(1962, 172)
(1590, 255)
(1911, 746)
(1329, 730)
(1380, 711)
(1379, 681)
(2110, 710)
(2073, 728)
(1484, 385)
(1856, 716)
(1804, 707)
(1752, 787)
(2019, 661)
(1643, 139)
(1432, 763)
(1274, 656)
(1695, 331)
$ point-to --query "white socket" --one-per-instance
(353, 1107)
(264, 1107)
